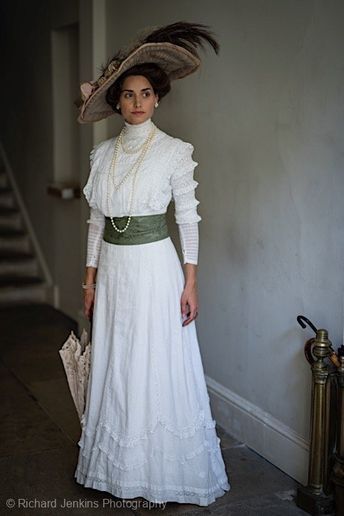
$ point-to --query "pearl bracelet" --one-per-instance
(90, 285)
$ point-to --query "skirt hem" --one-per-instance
(170, 494)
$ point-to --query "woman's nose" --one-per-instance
(137, 101)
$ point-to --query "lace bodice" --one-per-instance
(166, 174)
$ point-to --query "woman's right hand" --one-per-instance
(89, 302)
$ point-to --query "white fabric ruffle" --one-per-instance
(183, 185)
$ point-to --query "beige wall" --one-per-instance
(266, 120)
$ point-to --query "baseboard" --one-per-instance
(260, 431)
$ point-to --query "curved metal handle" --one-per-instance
(303, 321)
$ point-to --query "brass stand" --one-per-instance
(312, 498)
(338, 468)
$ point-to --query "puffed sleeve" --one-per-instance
(183, 184)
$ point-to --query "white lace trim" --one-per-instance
(189, 240)
(181, 490)
(136, 465)
(88, 188)
(76, 357)
(92, 156)
(184, 163)
(183, 494)
(94, 237)
(186, 203)
(171, 169)
(122, 440)
(184, 185)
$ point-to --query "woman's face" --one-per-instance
(137, 99)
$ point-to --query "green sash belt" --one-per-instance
(141, 230)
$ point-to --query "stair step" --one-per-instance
(6, 197)
(14, 240)
(3, 180)
(8, 210)
(9, 232)
(27, 292)
(10, 217)
(8, 255)
(19, 269)
(18, 263)
(19, 281)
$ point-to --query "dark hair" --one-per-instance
(154, 74)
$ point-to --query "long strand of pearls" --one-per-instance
(134, 169)
(129, 150)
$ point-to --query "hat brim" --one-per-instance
(176, 61)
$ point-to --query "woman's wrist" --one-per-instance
(87, 286)
(90, 275)
(190, 271)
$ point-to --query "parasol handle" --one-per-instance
(91, 327)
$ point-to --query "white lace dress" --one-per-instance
(147, 429)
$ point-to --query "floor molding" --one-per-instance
(260, 431)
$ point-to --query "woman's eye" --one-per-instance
(128, 94)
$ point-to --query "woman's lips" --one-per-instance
(138, 112)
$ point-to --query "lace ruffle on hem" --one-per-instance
(184, 466)
(156, 494)
(123, 440)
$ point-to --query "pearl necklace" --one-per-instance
(131, 150)
(135, 168)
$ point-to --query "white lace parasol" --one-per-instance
(76, 358)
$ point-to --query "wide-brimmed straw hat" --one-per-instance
(172, 47)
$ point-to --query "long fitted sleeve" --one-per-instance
(183, 190)
(96, 221)
(189, 240)
(94, 239)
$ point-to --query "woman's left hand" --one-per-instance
(189, 303)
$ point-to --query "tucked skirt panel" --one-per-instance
(147, 429)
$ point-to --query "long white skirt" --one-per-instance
(147, 430)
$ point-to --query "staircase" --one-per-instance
(21, 277)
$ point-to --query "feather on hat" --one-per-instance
(172, 47)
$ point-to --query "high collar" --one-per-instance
(134, 133)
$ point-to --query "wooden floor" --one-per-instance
(39, 431)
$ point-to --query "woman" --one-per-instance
(147, 429)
